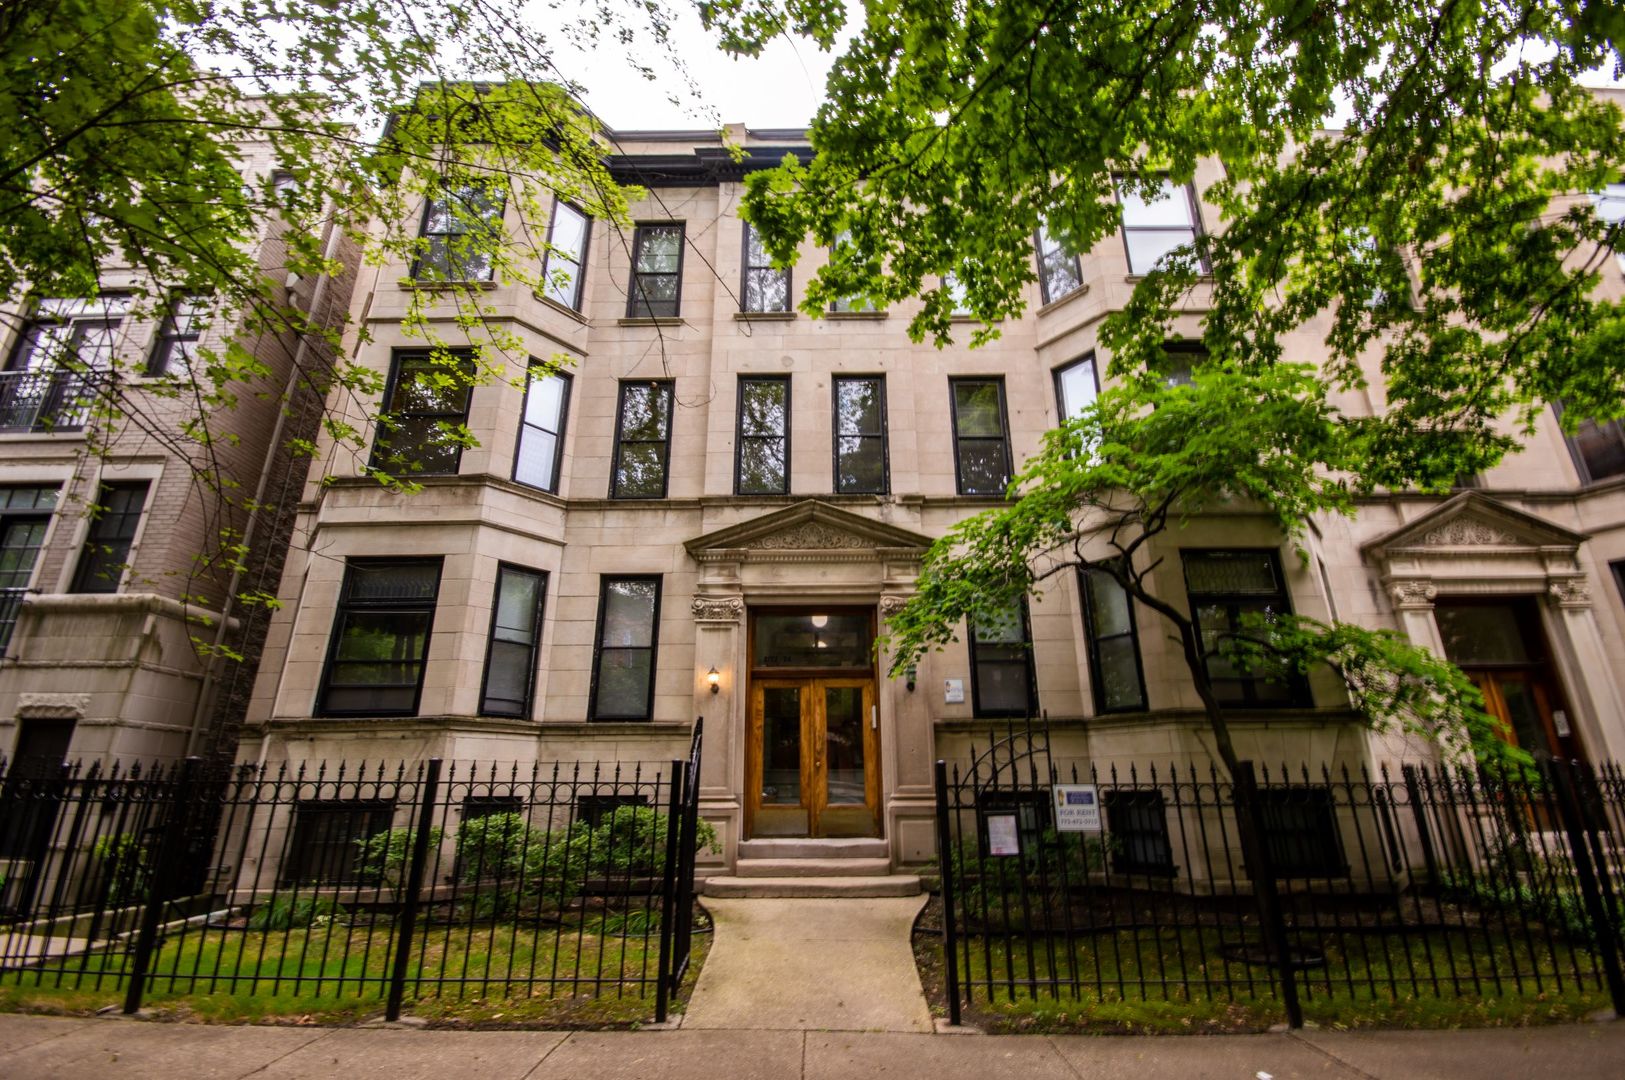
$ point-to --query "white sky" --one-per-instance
(782, 88)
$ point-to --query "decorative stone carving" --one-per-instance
(1413, 594)
(718, 608)
(1570, 592)
(809, 535)
(891, 605)
(1467, 532)
(52, 706)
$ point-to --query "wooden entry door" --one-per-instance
(813, 761)
(1522, 701)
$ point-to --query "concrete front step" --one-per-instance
(808, 887)
(783, 868)
(802, 848)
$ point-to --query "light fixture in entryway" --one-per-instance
(714, 678)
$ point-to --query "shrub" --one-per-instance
(384, 857)
(125, 863)
(294, 913)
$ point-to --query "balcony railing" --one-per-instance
(11, 601)
(46, 400)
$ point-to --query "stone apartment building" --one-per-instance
(102, 592)
(713, 505)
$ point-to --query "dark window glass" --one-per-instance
(25, 514)
(113, 523)
(324, 847)
(1059, 272)
(1001, 659)
(1300, 831)
(762, 454)
(1114, 644)
(766, 288)
(657, 271)
(1223, 586)
(380, 642)
(1138, 824)
(541, 431)
(624, 669)
(1598, 449)
(175, 350)
(861, 464)
(427, 403)
(642, 441)
(566, 251)
(516, 630)
(52, 374)
(981, 440)
(1476, 634)
(594, 810)
(1153, 228)
(813, 640)
(1180, 359)
(457, 225)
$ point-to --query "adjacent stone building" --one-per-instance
(715, 502)
(110, 602)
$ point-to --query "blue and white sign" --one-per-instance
(1077, 808)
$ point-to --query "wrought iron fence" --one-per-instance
(375, 882)
(1275, 886)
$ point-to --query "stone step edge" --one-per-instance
(777, 868)
(812, 887)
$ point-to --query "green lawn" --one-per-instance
(492, 973)
(1182, 981)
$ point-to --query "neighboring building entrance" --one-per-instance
(1501, 648)
(812, 765)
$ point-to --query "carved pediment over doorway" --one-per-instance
(809, 529)
(1474, 521)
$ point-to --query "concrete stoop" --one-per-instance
(813, 868)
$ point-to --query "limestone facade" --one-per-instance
(1532, 535)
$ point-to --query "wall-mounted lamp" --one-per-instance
(820, 621)
(714, 679)
(908, 676)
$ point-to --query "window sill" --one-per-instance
(412, 285)
(1080, 291)
(856, 315)
(659, 320)
(563, 309)
(1135, 279)
(764, 316)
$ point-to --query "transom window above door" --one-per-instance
(813, 640)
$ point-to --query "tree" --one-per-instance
(1437, 231)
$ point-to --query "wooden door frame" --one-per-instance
(814, 730)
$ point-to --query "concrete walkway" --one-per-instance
(811, 965)
(36, 1047)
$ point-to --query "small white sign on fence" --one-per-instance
(1003, 837)
(1077, 808)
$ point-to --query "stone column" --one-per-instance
(1596, 707)
(908, 745)
(719, 643)
(1413, 603)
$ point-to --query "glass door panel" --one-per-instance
(782, 770)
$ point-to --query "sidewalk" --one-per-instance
(64, 1049)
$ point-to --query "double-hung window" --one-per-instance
(174, 350)
(25, 514)
(1060, 274)
(380, 643)
(541, 429)
(623, 682)
(860, 435)
(981, 436)
(1223, 587)
(766, 288)
(1076, 386)
(762, 441)
(113, 522)
(516, 630)
(1001, 659)
(642, 441)
(54, 369)
(849, 305)
(427, 404)
(460, 225)
(1598, 448)
(657, 271)
(566, 252)
(1155, 227)
(1114, 644)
